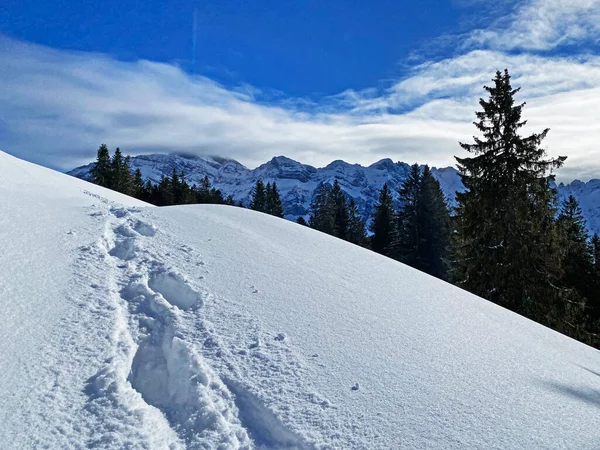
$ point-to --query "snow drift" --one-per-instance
(127, 326)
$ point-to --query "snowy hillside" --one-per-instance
(208, 326)
(297, 181)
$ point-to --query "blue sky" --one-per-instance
(314, 80)
(310, 48)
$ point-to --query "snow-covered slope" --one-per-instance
(210, 326)
(297, 182)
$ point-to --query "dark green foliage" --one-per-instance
(507, 247)
(120, 173)
(332, 214)
(594, 300)
(102, 170)
(259, 197)
(300, 221)
(115, 173)
(203, 192)
(139, 187)
(356, 226)
(578, 259)
(406, 244)
(321, 210)
(578, 264)
(422, 234)
(273, 201)
(382, 225)
(339, 208)
(434, 226)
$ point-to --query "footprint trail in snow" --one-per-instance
(168, 361)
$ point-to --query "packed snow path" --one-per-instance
(158, 341)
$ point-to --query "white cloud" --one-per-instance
(56, 107)
(542, 25)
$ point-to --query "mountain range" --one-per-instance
(297, 182)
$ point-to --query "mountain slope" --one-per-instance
(297, 182)
(209, 326)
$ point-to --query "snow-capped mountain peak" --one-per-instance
(297, 182)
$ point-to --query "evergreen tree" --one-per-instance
(118, 170)
(594, 301)
(595, 244)
(203, 191)
(186, 196)
(406, 244)
(216, 196)
(102, 170)
(382, 224)
(434, 226)
(139, 187)
(322, 211)
(341, 217)
(506, 240)
(578, 263)
(578, 260)
(259, 197)
(273, 201)
(164, 192)
(176, 187)
(356, 226)
(128, 180)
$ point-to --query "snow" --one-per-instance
(206, 326)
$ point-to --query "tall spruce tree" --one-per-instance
(128, 180)
(139, 187)
(321, 210)
(341, 217)
(382, 223)
(259, 197)
(406, 242)
(356, 225)
(594, 302)
(434, 226)
(102, 170)
(578, 258)
(203, 191)
(119, 172)
(578, 264)
(163, 192)
(273, 200)
(507, 247)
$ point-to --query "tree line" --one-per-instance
(513, 243)
(508, 240)
(114, 172)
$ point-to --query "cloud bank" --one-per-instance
(56, 107)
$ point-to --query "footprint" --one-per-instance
(175, 290)
(125, 230)
(119, 212)
(124, 249)
(145, 229)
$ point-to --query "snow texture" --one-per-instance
(213, 327)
